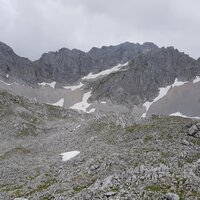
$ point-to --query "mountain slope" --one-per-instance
(144, 75)
(123, 78)
(116, 160)
(18, 68)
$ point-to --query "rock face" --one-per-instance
(67, 66)
(17, 67)
(144, 75)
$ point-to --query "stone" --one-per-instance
(172, 196)
(192, 130)
(185, 142)
(198, 125)
(108, 194)
(20, 199)
(106, 182)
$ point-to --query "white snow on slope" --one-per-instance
(52, 84)
(6, 83)
(58, 103)
(83, 105)
(162, 92)
(196, 80)
(68, 155)
(77, 127)
(105, 72)
(103, 102)
(178, 83)
(74, 87)
(7, 75)
(181, 115)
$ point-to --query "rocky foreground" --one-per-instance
(154, 158)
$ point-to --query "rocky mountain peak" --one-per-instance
(5, 49)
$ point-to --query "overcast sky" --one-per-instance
(32, 27)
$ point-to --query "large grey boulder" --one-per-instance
(172, 196)
(192, 130)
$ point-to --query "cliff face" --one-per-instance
(144, 75)
(17, 67)
(67, 66)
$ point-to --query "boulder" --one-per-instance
(192, 130)
(172, 196)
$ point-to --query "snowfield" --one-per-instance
(6, 83)
(58, 103)
(52, 84)
(83, 105)
(162, 92)
(196, 80)
(105, 72)
(181, 115)
(74, 87)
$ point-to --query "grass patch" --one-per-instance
(26, 129)
(15, 188)
(79, 188)
(43, 186)
(192, 158)
(148, 138)
(158, 188)
(17, 150)
(115, 190)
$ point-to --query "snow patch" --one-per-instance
(74, 87)
(52, 84)
(178, 83)
(181, 115)
(7, 75)
(105, 72)
(162, 92)
(103, 102)
(6, 83)
(83, 105)
(68, 155)
(58, 103)
(77, 127)
(196, 80)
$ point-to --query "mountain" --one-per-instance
(15, 66)
(144, 76)
(117, 122)
(124, 78)
(67, 66)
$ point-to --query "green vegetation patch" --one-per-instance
(158, 188)
(43, 186)
(26, 129)
(17, 150)
(79, 188)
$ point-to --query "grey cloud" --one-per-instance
(34, 27)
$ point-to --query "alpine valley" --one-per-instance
(115, 123)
